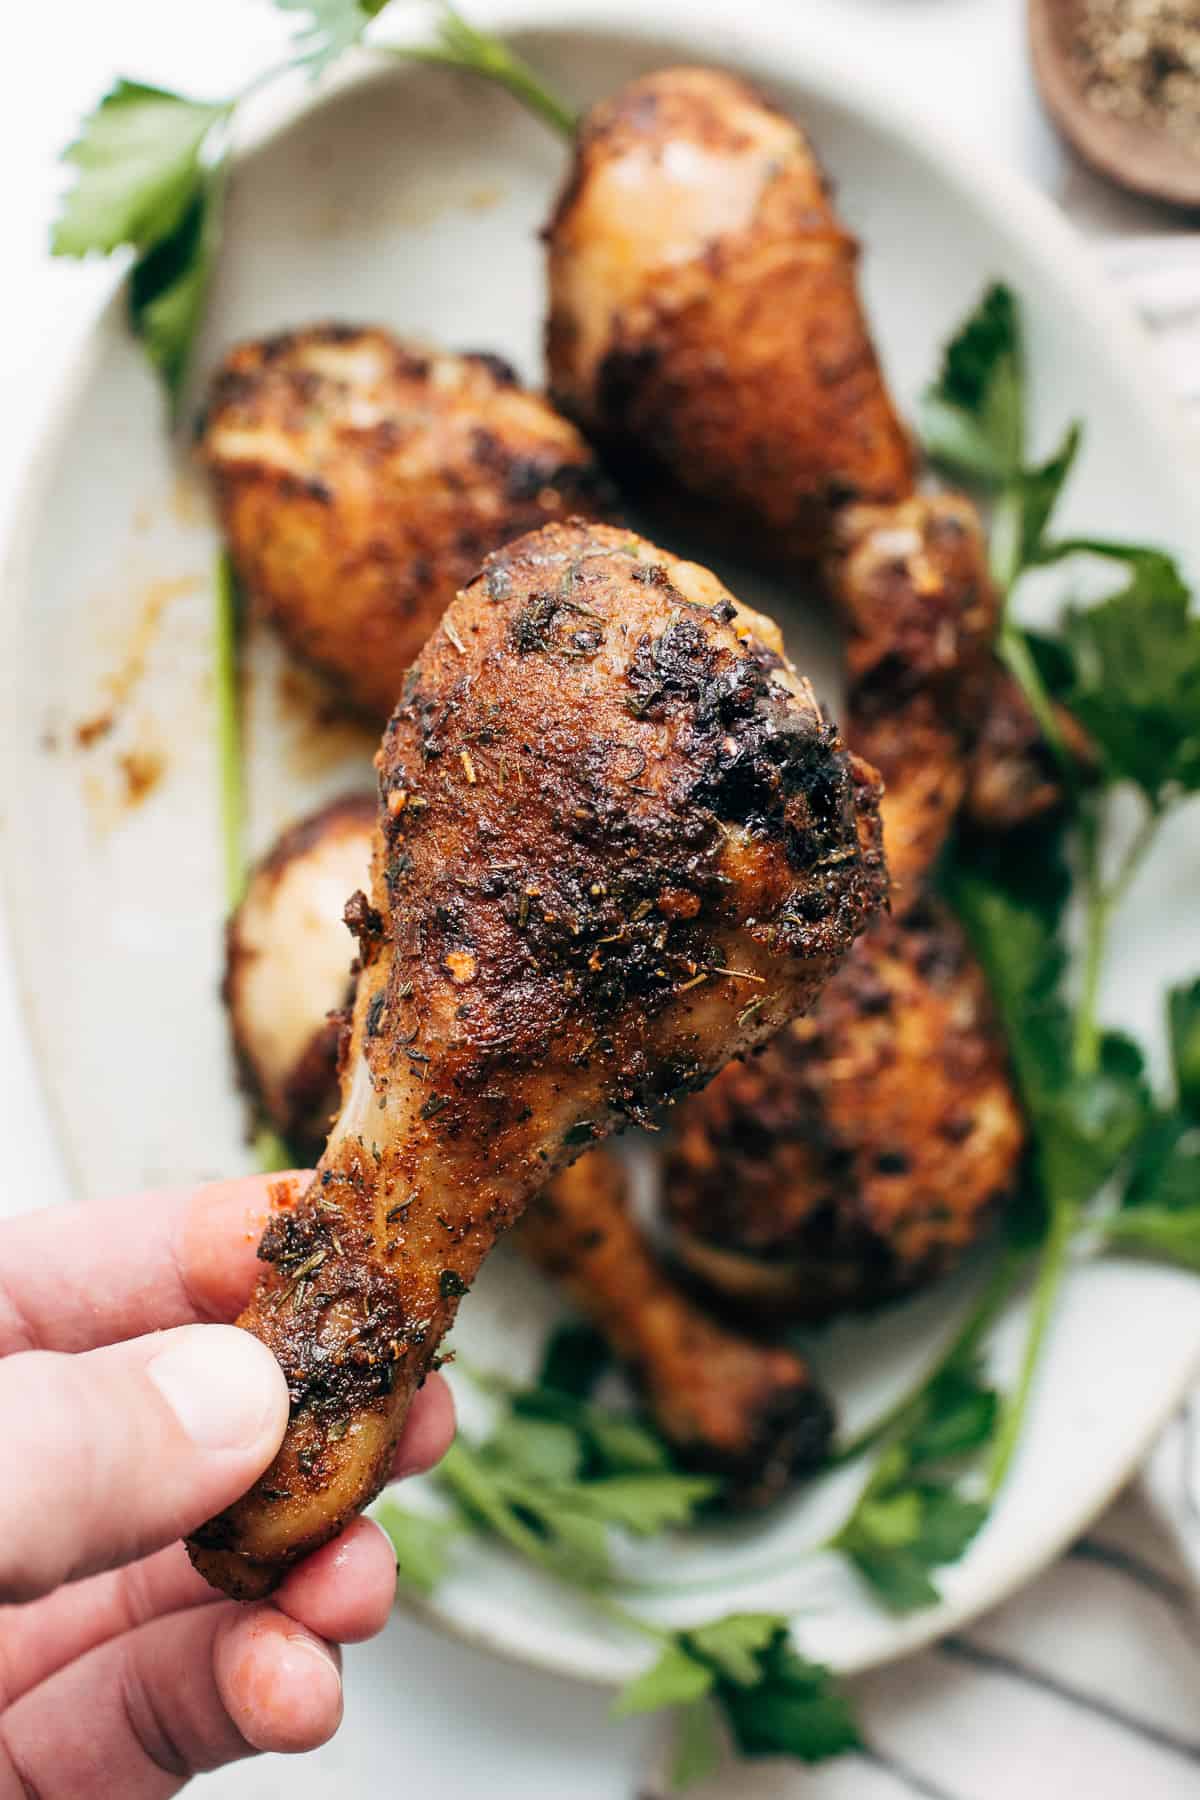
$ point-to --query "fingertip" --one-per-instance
(344, 1591)
(225, 1389)
(218, 1237)
(280, 1683)
(428, 1432)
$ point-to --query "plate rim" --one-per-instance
(772, 40)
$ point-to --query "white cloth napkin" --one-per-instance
(1088, 1681)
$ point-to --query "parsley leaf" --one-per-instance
(1010, 900)
(972, 418)
(615, 1443)
(909, 1519)
(139, 170)
(331, 27)
(775, 1701)
(1010, 896)
(420, 1542)
(697, 1746)
(1024, 508)
(533, 1518)
(537, 1449)
(1137, 677)
(956, 1415)
(1160, 1210)
(645, 1503)
(792, 1709)
(143, 177)
(558, 1473)
(1165, 1176)
(676, 1679)
(575, 1357)
(169, 285)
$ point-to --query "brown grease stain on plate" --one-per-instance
(143, 768)
(122, 682)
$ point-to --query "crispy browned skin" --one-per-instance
(287, 968)
(911, 584)
(361, 481)
(739, 1409)
(618, 844)
(705, 328)
(863, 1152)
(747, 1411)
(865, 1149)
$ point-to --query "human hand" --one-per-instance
(129, 1416)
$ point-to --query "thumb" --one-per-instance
(114, 1453)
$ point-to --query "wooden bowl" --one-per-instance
(1144, 158)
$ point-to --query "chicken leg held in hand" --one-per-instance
(618, 844)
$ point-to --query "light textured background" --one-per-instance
(1089, 1681)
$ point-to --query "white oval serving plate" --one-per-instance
(413, 198)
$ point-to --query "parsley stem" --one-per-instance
(1002, 1284)
(231, 774)
(1013, 649)
(462, 46)
(1085, 1049)
(1052, 1264)
(1102, 900)
(473, 1496)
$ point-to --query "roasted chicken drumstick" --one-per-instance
(866, 1148)
(747, 1411)
(618, 844)
(912, 589)
(360, 482)
(706, 331)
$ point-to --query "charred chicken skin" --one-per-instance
(618, 843)
(705, 329)
(727, 1405)
(867, 1147)
(360, 482)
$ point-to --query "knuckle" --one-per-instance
(148, 1722)
(46, 1479)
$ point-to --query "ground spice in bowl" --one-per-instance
(1139, 61)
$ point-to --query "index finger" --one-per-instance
(77, 1277)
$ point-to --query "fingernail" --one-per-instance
(223, 1386)
(317, 1647)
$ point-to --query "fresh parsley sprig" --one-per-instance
(742, 1669)
(329, 28)
(910, 1517)
(555, 1477)
(150, 176)
(558, 1472)
(151, 167)
(1128, 669)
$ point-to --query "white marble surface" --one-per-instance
(1088, 1681)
